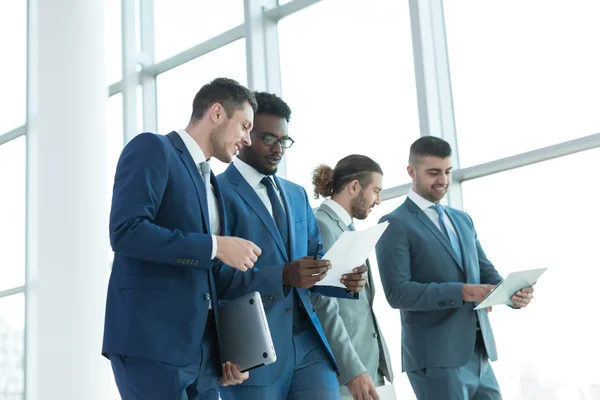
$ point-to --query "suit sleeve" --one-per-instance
(268, 281)
(394, 262)
(327, 309)
(140, 183)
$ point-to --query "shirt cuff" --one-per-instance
(214, 247)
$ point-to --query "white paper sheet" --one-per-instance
(351, 250)
(386, 392)
(503, 291)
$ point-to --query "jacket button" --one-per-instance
(206, 296)
(196, 262)
(289, 310)
(375, 335)
(178, 261)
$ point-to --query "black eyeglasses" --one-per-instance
(269, 139)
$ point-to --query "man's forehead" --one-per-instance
(271, 123)
(432, 162)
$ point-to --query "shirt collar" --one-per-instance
(192, 146)
(251, 175)
(421, 202)
(340, 211)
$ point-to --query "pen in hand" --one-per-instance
(317, 251)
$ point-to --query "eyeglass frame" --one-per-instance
(264, 135)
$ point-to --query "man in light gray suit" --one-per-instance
(350, 326)
(434, 270)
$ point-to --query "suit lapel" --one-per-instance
(421, 216)
(192, 168)
(461, 232)
(248, 194)
(333, 215)
(289, 215)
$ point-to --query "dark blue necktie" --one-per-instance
(278, 213)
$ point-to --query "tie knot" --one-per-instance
(438, 207)
(267, 181)
(351, 226)
(204, 167)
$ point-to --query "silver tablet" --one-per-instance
(244, 333)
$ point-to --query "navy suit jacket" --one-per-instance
(161, 280)
(250, 219)
(422, 277)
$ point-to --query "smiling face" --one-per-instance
(230, 135)
(431, 176)
(262, 157)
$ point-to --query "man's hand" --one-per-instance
(237, 253)
(523, 297)
(304, 272)
(361, 388)
(232, 375)
(355, 281)
(471, 292)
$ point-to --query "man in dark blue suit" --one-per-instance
(434, 270)
(166, 219)
(275, 214)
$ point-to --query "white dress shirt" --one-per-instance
(213, 206)
(424, 205)
(339, 211)
(254, 178)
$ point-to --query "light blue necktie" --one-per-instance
(449, 234)
(351, 226)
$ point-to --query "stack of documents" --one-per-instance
(351, 250)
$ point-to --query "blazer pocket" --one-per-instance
(146, 282)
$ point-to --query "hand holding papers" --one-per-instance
(503, 291)
(350, 251)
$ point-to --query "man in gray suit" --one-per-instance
(350, 326)
(434, 270)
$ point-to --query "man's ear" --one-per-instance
(412, 172)
(216, 113)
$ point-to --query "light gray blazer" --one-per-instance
(350, 326)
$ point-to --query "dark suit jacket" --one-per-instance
(161, 281)
(422, 277)
(250, 219)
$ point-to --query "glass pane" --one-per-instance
(114, 123)
(12, 213)
(387, 317)
(548, 350)
(533, 85)
(113, 42)
(13, 79)
(332, 79)
(181, 24)
(176, 88)
(12, 343)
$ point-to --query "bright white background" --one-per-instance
(524, 75)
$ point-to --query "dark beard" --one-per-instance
(359, 206)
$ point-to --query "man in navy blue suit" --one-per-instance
(435, 271)
(275, 214)
(166, 222)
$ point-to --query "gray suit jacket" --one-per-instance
(350, 326)
(422, 277)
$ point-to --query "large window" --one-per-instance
(12, 340)
(12, 214)
(350, 83)
(539, 216)
(113, 43)
(13, 48)
(176, 88)
(181, 24)
(524, 74)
